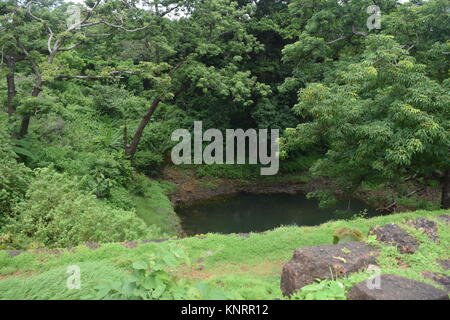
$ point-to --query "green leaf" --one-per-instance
(140, 265)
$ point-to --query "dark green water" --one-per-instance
(245, 213)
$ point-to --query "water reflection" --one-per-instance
(252, 212)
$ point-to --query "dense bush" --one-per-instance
(148, 162)
(14, 176)
(156, 144)
(56, 213)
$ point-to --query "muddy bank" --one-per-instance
(191, 189)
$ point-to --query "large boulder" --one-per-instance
(396, 288)
(439, 278)
(324, 262)
(394, 235)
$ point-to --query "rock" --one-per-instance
(345, 235)
(130, 244)
(154, 241)
(14, 253)
(49, 251)
(439, 278)
(397, 288)
(92, 245)
(392, 234)
(444, 218)
(244, 235)
(311, 263)
(445, 264)
(425, 226)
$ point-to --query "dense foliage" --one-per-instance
(88, 107)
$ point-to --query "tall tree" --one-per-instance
(42, 30)
(204, 55)
(378, 120)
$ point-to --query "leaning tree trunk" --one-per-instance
(130, 149)
(446, 190)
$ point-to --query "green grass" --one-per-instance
(51, 285)
(249, 267)
(155, 208)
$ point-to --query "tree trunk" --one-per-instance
(446, 190)
(11, 63)
(130, 149)
(26, 118)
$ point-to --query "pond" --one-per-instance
(244, 213)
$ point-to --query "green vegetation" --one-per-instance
(55, 213)
(88, 107)
(248, 268)
(154, 207)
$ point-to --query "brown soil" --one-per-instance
(193, 189)
(198, 271)
(17, 274)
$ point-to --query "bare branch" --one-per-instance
(359, 33)
(338, 39)
(63, 76)
(112, 75)
(71, 47)
(122, 27)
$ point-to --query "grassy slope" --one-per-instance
(155, 208)
(250, 266)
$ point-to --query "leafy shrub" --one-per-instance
(150, 280)
(120, 198)
(301, 163)
(326, 198)
(107, 170)
(56, 213)
(14, 176)
(101, 170)
(7, 241)
(14, 181)
(156, 143)
(324, 290)
(417, 204)
(110, 100)
(139, 185)
(148, 162)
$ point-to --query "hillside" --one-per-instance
(245, 266)
(217, 149)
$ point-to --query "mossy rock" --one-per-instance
(345, 235)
